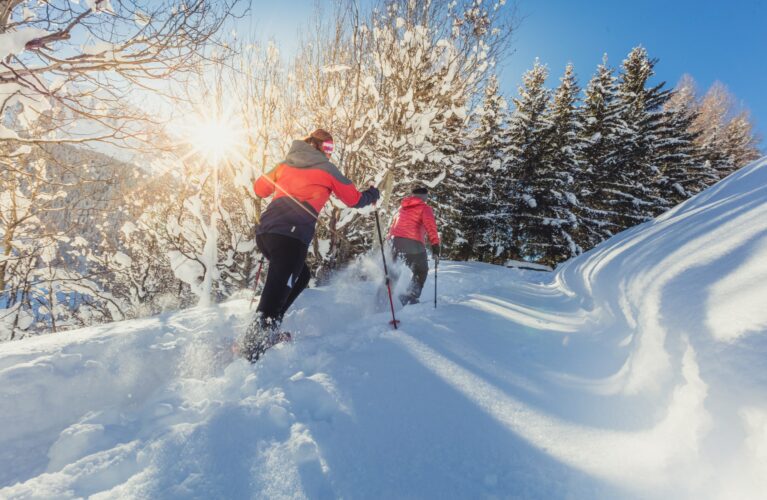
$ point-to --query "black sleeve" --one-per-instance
(370, 195)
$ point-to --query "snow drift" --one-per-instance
(638, 369)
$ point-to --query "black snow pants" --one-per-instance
(414, 254)
(287, 277)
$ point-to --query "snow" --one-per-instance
(128, 228)
(633, 371)
(333, 97)
(531, 201)
(187, 270)
(13, 42)
(98, 47)
(736, 303)
(6, 133)
(100, 6)
(12, 93)
(121, 259)
(571, 198)
(335, 68)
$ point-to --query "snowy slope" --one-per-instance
(636, 370)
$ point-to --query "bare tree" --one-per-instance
(79, 73)
(89, 59)
(725, 133)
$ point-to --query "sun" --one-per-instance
(215, 138)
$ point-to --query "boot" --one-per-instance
(258, 337)
(407, 299)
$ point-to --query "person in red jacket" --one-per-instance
(412, 225)
(300, 186)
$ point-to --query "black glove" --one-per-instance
(370, 195)
(435, 251)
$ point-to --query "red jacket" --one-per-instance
(301, 186)
(312, 186)
(415, 221)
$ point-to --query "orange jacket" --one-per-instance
(301, 186)
(309, 185)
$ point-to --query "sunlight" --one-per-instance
(216, 138)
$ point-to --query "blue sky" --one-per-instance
(710, 39)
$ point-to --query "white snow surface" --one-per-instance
(638, 370)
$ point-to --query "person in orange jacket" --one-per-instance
(300, 186)
(412, 225)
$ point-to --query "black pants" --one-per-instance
(287, 277)
(418, 264)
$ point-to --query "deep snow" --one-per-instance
(636, 370)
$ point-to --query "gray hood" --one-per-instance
(304, 155)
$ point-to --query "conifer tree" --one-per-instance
(631, 184)
(560, 170)
(450, 184)
(480, 218)
(684, 173)
(600, 124)
(529, 133)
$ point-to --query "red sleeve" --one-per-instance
(264, 186)
(347, 193)
(430, 224)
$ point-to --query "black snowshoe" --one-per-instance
(260, 336)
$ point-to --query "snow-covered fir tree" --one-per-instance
(629, 184)
(559, 172)
(684, 172)
(526, 185)
(452, 185)
(600, 124)
(481, 219)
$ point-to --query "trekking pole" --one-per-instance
(258, 276)
(436, 267)
(393, 321)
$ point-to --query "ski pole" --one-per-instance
(258, 276)
(436, 267)
(393, 321)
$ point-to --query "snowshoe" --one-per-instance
(407, 300)
(258, 338)
(253, 349)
